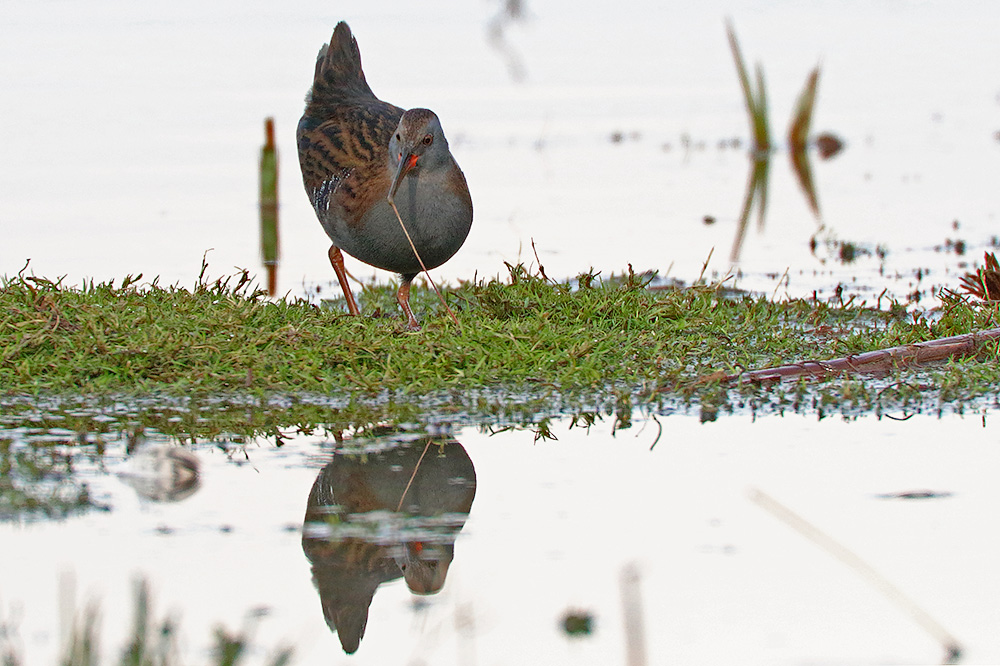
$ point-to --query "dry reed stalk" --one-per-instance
(879, 361)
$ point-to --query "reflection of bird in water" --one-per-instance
(162, 472)
(358, 154)
(374, 517)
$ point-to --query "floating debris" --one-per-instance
(915, 495)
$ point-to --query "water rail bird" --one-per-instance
(359, 156)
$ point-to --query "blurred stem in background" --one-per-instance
(269, 207)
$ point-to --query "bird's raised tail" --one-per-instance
(339, 77)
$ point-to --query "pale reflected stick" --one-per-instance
(67, 610)
(635, 634)
(805, 528)
(413, 476)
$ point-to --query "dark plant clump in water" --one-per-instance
(984, 283)
(578, 623)
(847, 252)
(828, 144)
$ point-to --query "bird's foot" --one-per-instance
(403, 298)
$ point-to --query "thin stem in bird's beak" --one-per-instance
(404, 168)
(417, 254)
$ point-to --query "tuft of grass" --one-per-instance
(984, 283)
(754, 96)
(798, 139)
(798, 131)
(755, 100)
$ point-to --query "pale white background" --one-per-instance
(131, 133)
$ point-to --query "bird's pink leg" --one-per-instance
(337, 261)
(403, 298)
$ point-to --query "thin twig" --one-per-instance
(704, 266)
(541, 269)
(423, 267)
(778, 286)
(658, 434)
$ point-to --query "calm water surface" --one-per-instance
(552, 526)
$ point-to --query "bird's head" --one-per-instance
(417, 144)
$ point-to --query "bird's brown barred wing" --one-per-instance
(344, 158)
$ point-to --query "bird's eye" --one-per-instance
(398, 138)
(428, 139)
